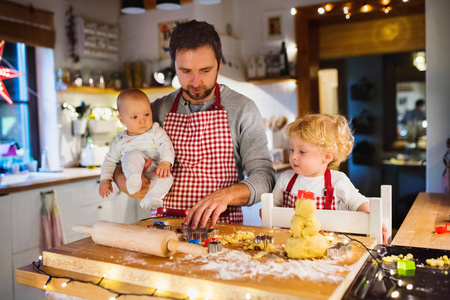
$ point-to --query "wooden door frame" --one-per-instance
(307, 25)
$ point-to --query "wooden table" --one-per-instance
(418, 229)
(231, 274)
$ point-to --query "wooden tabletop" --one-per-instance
(418, 229)
(231, 274)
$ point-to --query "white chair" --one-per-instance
(338, 220)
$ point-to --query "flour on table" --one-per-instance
(235, 264)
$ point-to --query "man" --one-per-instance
(218, 135)
(417, 114)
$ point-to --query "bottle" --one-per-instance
(284, 64)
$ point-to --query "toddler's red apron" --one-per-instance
(204, 159)
(324, 202)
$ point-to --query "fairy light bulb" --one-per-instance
(385, 2)
(248, 296)
(395, 294)
(328, 7)
(347, 16)
(365, 8)
(321, 10)
(64, 284)
(386, 9)
(293, 11)
(345, 9)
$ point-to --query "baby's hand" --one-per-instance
(163, 169)
(105, 188)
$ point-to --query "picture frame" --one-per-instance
(274, 26)
(164, 33)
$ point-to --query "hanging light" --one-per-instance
(168, 4)
(419, 60)
(164, 76)
(208, 2)
(133, 7)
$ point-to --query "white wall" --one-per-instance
(437, 24)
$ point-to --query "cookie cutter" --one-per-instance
(264, 239)
(198, 233)
(339, 250)
(209, 240)
(161, 225)
(214, 247)
(443, 229)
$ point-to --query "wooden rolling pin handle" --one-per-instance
(82, 229)
(188, 248)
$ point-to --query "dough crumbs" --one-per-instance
(438, 262)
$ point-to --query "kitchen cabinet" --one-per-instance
(79, 203)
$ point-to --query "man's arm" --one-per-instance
(121, 181)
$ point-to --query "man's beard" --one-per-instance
(200, 96)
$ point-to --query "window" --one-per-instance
(17, 119)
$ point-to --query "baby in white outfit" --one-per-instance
(142, 140)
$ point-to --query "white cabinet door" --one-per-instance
(6, 270)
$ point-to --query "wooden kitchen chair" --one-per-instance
(338, 220)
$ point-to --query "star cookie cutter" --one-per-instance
(339, 250)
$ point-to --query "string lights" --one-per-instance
(382, 5)
(37, 266)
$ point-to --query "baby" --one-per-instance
(318, 142)
(141, 140)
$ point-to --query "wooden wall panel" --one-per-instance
(389, 35)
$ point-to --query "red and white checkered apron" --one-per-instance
(204, 158)
(324, 202)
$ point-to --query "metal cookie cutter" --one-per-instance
(198, 233)
(339, 250)
(161, 225)
(263, 238)
(214, 247)
(213, 233)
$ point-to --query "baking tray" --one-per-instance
(382, 281)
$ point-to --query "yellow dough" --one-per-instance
(301, 226)
(306, 241)
(305, 208)
(306, 247)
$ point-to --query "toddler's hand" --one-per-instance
(105, 188)
(163, 169)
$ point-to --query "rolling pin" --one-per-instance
(152, 241)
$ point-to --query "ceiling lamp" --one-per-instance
(419, 60)
(168, 4)
(207, 1)
(133, 7)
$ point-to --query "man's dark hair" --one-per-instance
(420, 102)
(192, 35)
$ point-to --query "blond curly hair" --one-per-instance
(331, 133)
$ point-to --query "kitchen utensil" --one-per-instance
(152, 241)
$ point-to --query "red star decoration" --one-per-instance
(6, 73)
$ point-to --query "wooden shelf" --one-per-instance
(271, 80)
(97, 91)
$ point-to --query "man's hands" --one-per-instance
(212, 205)
(105, 188)
(163, 169)
(121, 181)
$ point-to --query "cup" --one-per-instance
(32, 166)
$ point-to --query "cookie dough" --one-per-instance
(306, 241)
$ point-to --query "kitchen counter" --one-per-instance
(418, 229)
(230, 274)
(67, 175)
